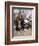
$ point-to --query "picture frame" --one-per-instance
(10, 11)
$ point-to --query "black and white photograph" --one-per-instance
(22, 21)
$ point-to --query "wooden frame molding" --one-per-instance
(7, 23)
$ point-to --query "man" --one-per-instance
(22, 22)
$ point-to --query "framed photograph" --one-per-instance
(21, 22)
